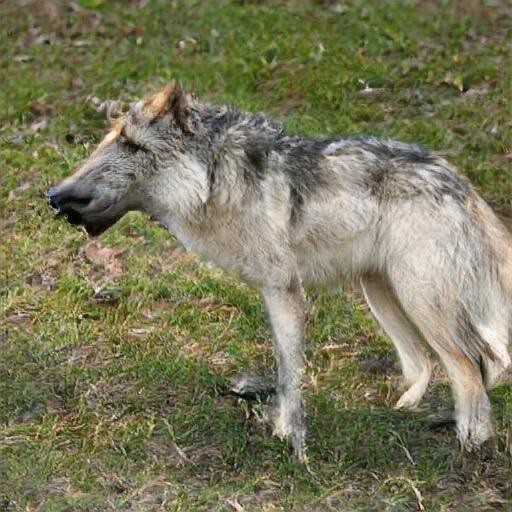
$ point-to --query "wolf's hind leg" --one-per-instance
(472, 405)
(286, 310)
(458, 347)
(414, 359)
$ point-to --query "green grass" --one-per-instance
(116, 404)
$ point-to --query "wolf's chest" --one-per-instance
(220, 246)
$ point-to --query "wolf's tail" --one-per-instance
(494, 325)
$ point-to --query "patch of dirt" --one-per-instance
(18, 318)
(206, 455)
(382, 366)
(479, 480)
(46, 279)
(107, 267)
(156, 494)
(264, 499)
(84, 355)
(170, 452)
(107, 394)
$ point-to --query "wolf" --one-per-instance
(286, 212)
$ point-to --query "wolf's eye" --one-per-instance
(130, 144)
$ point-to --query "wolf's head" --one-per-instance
(145, 162)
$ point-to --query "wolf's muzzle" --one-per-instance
(68, 203)
(60, 198)
(80, 209)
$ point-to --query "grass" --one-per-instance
(110, 389)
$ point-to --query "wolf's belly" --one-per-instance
(330, 264)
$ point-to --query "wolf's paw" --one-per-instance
(475, 434)
(290, 425)
(474, 428)
(410, 399)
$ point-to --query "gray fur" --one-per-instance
(434, 262)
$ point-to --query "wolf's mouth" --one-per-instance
(95, 224)
(97, 229)
(72, 216)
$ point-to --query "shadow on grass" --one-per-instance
(168, 414)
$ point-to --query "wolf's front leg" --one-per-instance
(286, 309)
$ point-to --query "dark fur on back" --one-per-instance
(261, 139)
(402, 169)
(394, 168)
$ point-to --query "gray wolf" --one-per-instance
(287, 212)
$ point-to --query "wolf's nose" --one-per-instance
(52, 197)
(68, 196)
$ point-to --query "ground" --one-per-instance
(114, 354)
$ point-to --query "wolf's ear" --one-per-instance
(171, 100)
